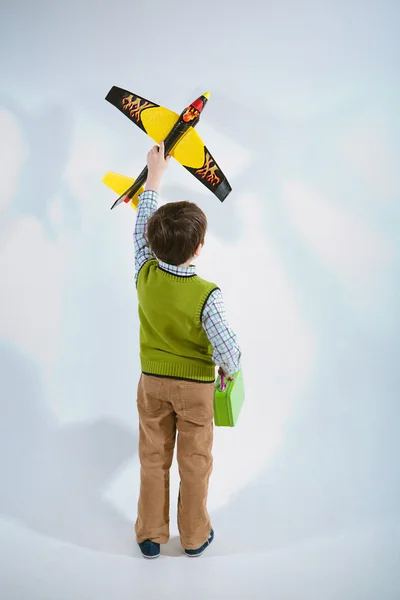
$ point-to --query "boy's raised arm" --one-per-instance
(148, 203)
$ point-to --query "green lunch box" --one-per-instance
(228, 400)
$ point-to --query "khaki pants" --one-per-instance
(168, 407)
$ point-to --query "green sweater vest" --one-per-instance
(173, 342)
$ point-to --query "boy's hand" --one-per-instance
(156, 164)
(222, 373)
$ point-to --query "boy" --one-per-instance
(183, 334)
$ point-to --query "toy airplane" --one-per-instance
(180, 139)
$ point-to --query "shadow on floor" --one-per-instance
(54, 478)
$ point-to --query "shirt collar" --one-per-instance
(182, 271)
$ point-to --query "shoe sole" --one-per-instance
(195, 555)
(151, 557)
(200, 553)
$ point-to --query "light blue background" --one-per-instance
(303, 118)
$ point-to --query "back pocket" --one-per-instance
(197, 401)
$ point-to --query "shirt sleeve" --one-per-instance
(226, 353)
(148, 202)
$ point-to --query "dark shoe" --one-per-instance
(199, 551)
(150, 549)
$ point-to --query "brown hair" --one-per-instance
(175, 231)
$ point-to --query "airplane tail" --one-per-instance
(120, 184)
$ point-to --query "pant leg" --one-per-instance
(194, 406)
(157, 432)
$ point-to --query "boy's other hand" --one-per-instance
(156, 164)
(222, 373)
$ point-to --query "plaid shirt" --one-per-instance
(226, 352)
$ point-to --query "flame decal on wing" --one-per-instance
(135, 107)
(208, 171)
